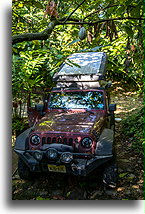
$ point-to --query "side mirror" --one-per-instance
(112, 107)
(39, 107)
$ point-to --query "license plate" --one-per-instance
(54, 168)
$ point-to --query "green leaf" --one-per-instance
(122, 2)
(41, 198)
(73, 63)
(87, 49)
(135, 11)
(38, 4)
(129, 31)
(95, 48)
(120, 10)
(68, 194)
(128, 2)
(59, 56)
(27, 3)
(15, 50)
(20, 5)
(123, 175)
(74, 41)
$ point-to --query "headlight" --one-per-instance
(66, 157)
(35, 139)
(38, 155)
(52, 153)
(87, 142)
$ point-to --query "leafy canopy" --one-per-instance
(45, 33)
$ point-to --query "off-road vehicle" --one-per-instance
(73, 130)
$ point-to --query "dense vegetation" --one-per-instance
(132, 129)
(45, 33)
(113, 26)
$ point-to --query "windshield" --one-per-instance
(77, 100)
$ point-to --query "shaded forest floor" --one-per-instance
(66, 187)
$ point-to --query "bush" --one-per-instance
(132, 129)
(19, 125)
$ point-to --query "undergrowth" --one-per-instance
(19, 125)
(132, 129)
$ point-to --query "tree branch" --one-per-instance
(97, 11)
(102, 20)
(46, 33)
(61, 20)
(74, 11)
(102, 9)
(24, 19)
(35, 36)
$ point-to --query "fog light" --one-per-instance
(38, 155)
(66, 157)
(52, 153)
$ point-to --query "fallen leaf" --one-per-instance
(119, 189)
(123, 174)
(58, 197)
(135, 186)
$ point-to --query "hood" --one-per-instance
(70, 121)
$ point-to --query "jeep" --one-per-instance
(72, 131)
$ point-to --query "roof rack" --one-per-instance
(59, 89)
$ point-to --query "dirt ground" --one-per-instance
(66, 187)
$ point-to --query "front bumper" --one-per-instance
(81, 165)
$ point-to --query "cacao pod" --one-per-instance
(51, 25)
(82, 33)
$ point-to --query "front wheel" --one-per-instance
(110, 175)
(24, 171)
(112, 122)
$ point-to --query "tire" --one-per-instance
(110, 176)
(112, 122)
(24, 171)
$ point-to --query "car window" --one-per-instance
(77, 100)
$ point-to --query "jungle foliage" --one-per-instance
(113, 26)
(133, 129)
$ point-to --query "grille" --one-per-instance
(43, 140)
(49, 140)
(54, 140)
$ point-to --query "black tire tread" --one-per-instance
(24, 171)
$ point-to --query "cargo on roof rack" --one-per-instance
(83, 67)
(82, 70)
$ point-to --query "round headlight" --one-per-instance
(52, 153)
(66, 157)
(87, 142)
(38, 155)
(35, 139)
